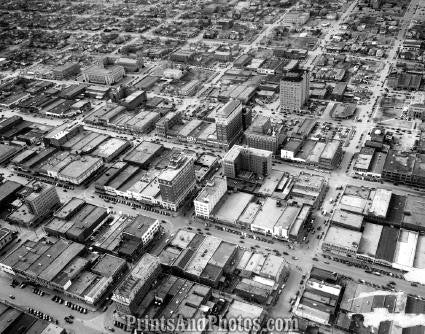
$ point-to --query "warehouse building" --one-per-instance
(342, 241)
(79, 225)
(111, 149)
(143, 154)
(202, 258)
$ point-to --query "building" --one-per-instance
(165, 124)
(65, 71)
(318, 302)
(417, 110)
(129, 64)
(102, 75)
(229, 123)
(404, 167)
(76, 220)
(177, 181)
(134, 99)
(42, 200)
(60, 135)
(137, 235)
(296, 17)
(264, 136)
(343, 111)
(247, 159)
(6, 236)
(294, 90)
(16, 319)
(309, 189)
(136, 285)
(331, 155)
(343, 241)
(210, 195)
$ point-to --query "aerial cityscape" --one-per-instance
(212, 166)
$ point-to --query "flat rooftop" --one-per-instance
(211, 189)
(370, 239)
(228, 108)
(347, 219)
(269, 215)
(406, 248)
(232, 206)
(344, 238)
(380, 203)
(330, 150)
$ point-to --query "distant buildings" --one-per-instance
(417, 110)
(66, 70)
(409, 81)
(129, 64)
(177, 181)
(242, 160)
(102, 75)
(296, 17)
(294, 90)
(265, 136)
(229, 123)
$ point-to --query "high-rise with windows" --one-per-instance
(229, 123)
(294, 90)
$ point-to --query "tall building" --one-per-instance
(42, 200)
(247, 159)
(263, 135)
(210, 196)
(177, 181)
(294, 89)
(246, 117)
(229, 123)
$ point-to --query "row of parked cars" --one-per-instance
(41, 315)
(72, 306)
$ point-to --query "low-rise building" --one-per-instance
(342, 241)
(136, 285)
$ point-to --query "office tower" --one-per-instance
(294, 90)
(229, 123)
(177, 180)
